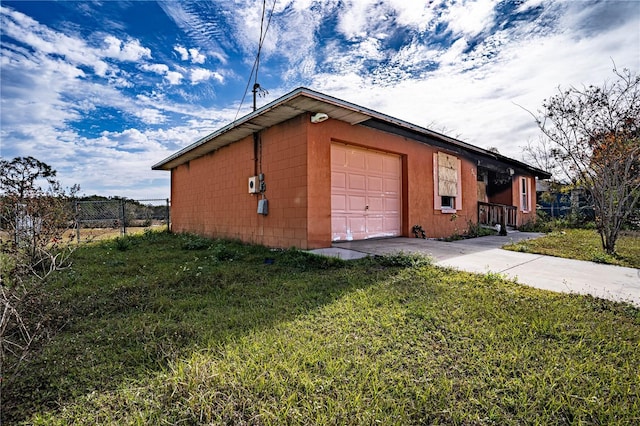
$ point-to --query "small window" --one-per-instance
(524, 195)
(448, 202)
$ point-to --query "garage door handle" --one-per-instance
(366, 208)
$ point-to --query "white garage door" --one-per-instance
(365, 193)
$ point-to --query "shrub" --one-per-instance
(195, 242)
(122, 243)
(474, 230)
(222, 251)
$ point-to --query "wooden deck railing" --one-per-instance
(490, 214)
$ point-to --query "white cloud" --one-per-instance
(529, 4)
(119, 163)
(416, 14)
(203, 30)
(454, 53)
(45, 41)
(161, 69)
(470, 17)
(74, 50)
(184, 53)
(125, 51)
(197, 57)
(371, 18)
(173, 77)
(150, 116)
(34, 96)
(370, 49)
(191, 53)
(199, 75)
(356, 19)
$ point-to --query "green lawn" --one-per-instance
(584, 244)
(165, 329)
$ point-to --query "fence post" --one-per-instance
(77, 222)
(123, 218)
(16, 225)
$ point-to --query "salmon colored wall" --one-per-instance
(511, 196)
(284, 164)
(210, 197)
(417, 162)
(524, 217)
(210, 194)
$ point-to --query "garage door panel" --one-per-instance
(375, 224)
(356, 203)
(375, 164)
(375, 184)
(338, 180)
(356, 160)
(339, 202)
(391, 166)
(391, 205)
(365, 188)
(357, 182)
(339, 157)
(376, 205)
(391, 185)
(357, 226)
(391, 226)
(338, 223)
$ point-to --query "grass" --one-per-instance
(168, 329)
(584, 244)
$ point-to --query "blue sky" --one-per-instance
(102, 90)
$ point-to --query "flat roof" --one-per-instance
(303, 100)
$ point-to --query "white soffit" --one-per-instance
(301, 101)
(298, 102)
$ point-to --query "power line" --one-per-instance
(256, 63)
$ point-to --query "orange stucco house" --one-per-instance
(309, 169)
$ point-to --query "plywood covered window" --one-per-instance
(447, 175)
(447, 180)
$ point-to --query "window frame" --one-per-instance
(525, 194)
(437, 198)
(451, 205)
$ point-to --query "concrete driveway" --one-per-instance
(484, 255)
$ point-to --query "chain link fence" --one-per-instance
(107, 218)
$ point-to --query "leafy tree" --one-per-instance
(33, 244)
(19, 176)
(592, 137)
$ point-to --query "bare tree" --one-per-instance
(33, 244)
(540, 154)
(592, 136)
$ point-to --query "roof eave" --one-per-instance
(352, 113)
(173, 160)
